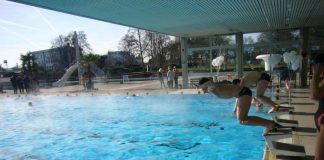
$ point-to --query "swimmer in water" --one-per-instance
(30, 104)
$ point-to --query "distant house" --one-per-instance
(55, 59)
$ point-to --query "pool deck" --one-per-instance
(300, 101)
(304, 108)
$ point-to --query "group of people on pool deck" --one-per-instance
(244, 97)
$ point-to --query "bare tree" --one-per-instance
(281, 35)
(150, 45)
(128, 43)
(248, 40)
(67, 40)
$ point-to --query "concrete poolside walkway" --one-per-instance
(136, 87)
(112, 88)
(304, 109)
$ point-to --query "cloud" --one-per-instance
(3, 21)
(18, 35)
(49, 24)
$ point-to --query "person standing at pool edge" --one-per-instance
(161, 78)
(286, 75)
(317, 93)
(176, 75)
(244, 96)
(14, 84)
(170, 77)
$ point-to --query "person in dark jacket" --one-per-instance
(14, 84)
(20, 83)
(26, 82)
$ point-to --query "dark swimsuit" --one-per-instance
(265, 76)
(245, 91)
(319, 115)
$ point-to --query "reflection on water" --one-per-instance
(124, 127)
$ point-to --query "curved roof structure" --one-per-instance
(188, 18)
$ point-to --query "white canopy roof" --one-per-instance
(189, 18)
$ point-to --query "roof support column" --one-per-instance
(210, 56)
(239, 54)
(304, 53)
(184, 61)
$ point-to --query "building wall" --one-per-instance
(55, 59)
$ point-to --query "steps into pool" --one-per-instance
(286, 122)
(274, 115)
(284, 157)
(287, 149)
(289, 127)
(304, 131)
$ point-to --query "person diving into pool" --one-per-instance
(258, 106)
(261, 79)
(244, 97)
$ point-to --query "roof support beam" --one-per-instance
(230, 46)
(184, 61)
(304, 53)
(239, 54)
(210, 56)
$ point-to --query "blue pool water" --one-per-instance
(117, 127)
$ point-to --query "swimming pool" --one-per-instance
(118, 127)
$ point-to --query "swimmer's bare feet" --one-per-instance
(273, 109)
(268, 129)
(272, 127)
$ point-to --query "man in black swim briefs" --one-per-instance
(262, 80)
(243, 95)
(258, 105)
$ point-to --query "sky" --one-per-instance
(25, 28)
